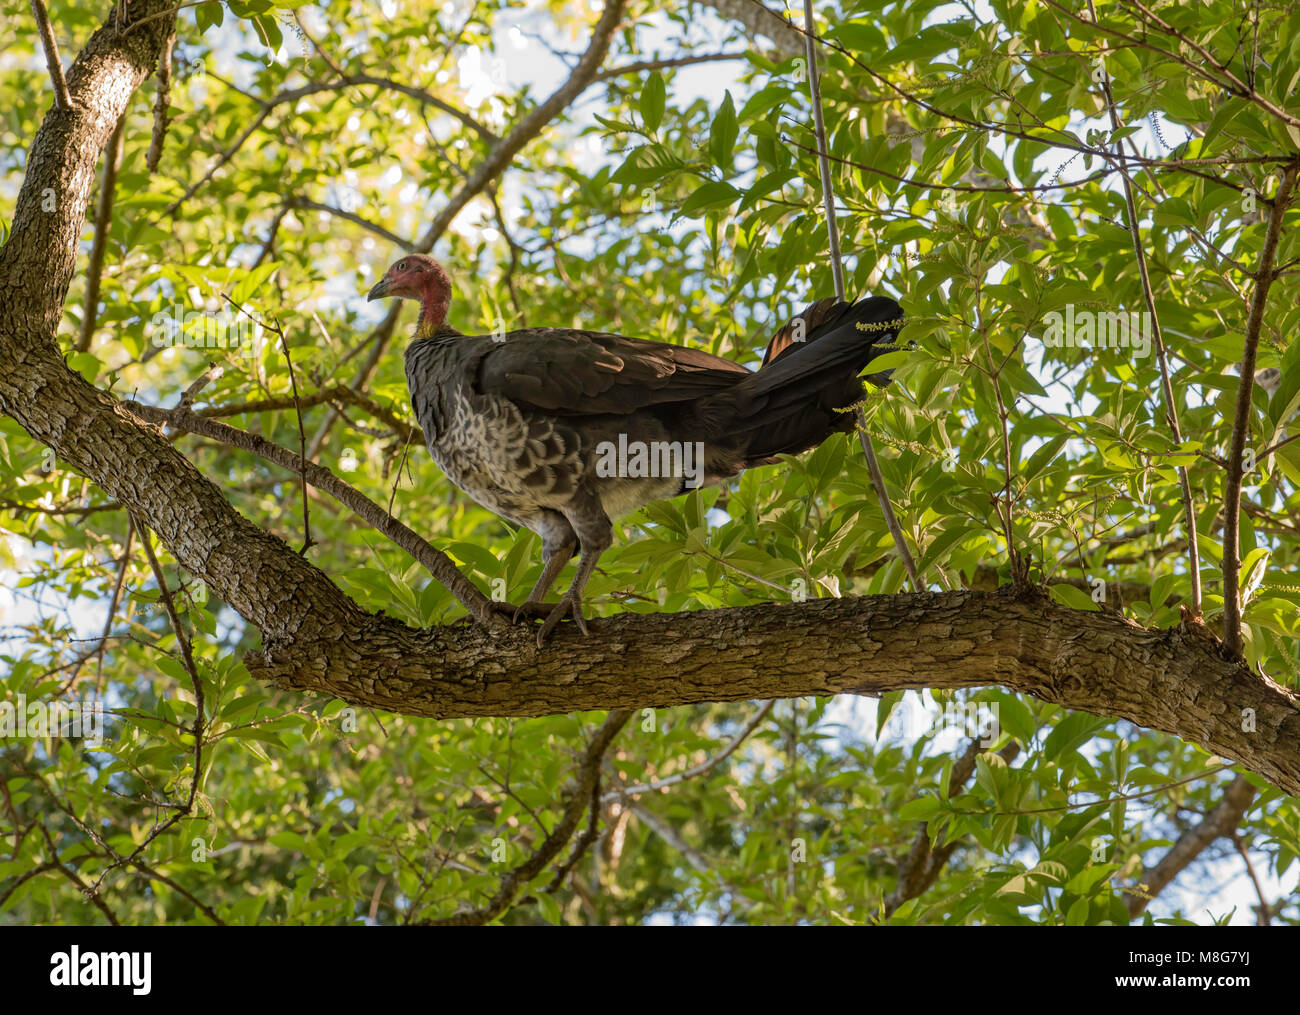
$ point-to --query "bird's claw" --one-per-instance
(550, 613)
(569, 603)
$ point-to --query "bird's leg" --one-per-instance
(553, 561)
(559, 543)
(594, 537)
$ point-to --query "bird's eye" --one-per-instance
(401, 266)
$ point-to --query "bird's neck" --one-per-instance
(433, 312)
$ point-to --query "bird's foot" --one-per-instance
(533, 609)
(569, 603)
(550, 613)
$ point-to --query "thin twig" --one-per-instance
(62, 99)
(641, 66)
(1232, 640)
(696, 770)
(579, 801)
(103, 222)
(438, 564)
(1221, 821)
(1171, 406)
(397, 480)
(197, 730)
(298, 201)
(584, 843)
(212, 373)
(162, 99)
(278, 331)
(837, 272)
(1264, 912)
(112, 608)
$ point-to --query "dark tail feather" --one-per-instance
(809, 323)
(791, 404)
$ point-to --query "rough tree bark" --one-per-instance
(316, 639)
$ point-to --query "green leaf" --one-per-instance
(1043, 457)
(722, 133)
(936, 551)
(885, 708)
(889, 361)
(710, 196)
(651, 102)
(289, 840)
(1014, 717)
(268, 30)
(920, 809)
(209, 15)
(1071, 732)
(1074, 598)
(549, 909)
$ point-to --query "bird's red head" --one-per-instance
(418, 277)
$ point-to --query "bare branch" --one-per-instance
(702, 768)
(923, 864)
(531, 125)
(62, 100)
(162, 99)
(197, 730)
(641, 66)
(1232, 639)
(397, 241)
(837, 273)
(438, 564)
(103, 222)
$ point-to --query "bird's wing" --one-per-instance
(591, 373)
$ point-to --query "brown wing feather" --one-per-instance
(593, 373)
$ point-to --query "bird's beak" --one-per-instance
(379, 290)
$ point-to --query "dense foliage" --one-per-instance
(976, 178)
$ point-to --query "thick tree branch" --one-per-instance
(1174, 680)
(316, 639)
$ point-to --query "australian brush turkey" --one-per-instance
(560, 430)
